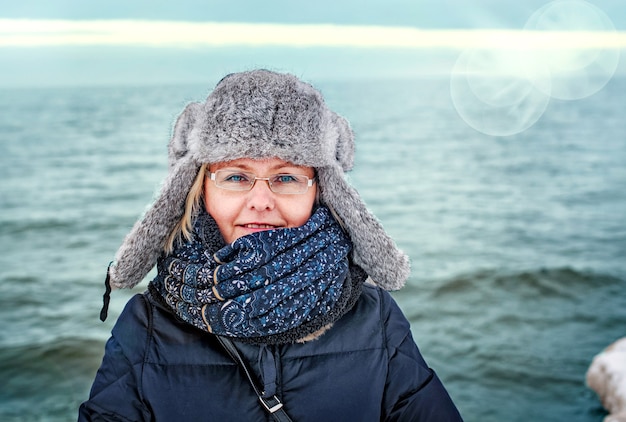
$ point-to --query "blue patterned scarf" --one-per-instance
(273, 286)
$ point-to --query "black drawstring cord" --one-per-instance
(106, 298)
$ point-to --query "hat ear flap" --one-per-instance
(374, 250)
(344, 152)
(145, 242)
(185, 133)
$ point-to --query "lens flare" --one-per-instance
(504, 89)
(495, 92)
(577, 72)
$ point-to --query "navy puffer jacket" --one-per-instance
(365, 368)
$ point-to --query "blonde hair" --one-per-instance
(184, 227)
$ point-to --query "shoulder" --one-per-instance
(153, 331)
(132, 329)
(136, 309)
(142, 325)
(375, 302)
(375, 322)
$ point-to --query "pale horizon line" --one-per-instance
(185, 34)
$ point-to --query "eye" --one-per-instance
(286, 179)
(235, 178)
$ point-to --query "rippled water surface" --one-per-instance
(517, 243)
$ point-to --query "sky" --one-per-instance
(61, 42)
(430, 14)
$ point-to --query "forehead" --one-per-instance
(264, 165)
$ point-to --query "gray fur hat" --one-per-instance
(262, 114)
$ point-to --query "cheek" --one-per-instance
(220, 209)
(209, 205)
(301, 212)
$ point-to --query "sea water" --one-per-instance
(517, 243)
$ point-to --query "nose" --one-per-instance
(260, 197)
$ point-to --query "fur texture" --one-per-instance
(262, 114)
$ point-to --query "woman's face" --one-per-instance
(239, 213)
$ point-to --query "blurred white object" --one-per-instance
(607, 377)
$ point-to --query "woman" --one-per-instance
(270, 300)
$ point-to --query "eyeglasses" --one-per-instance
(285, 184)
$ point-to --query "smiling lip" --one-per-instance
(258, 226)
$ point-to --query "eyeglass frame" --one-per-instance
(309, 184)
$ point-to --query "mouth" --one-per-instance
(259, 226)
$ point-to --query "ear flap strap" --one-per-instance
(106, 298)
